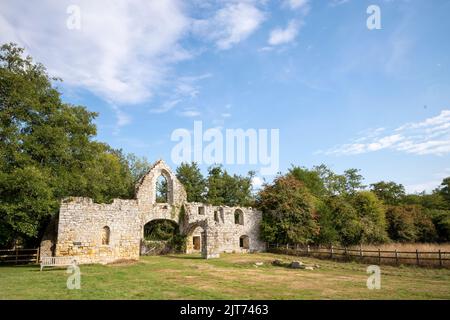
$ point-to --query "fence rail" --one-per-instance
(19, 256)
(420, 258)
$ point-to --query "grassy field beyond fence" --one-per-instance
(424, 255)
(232, 276)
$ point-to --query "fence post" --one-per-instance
(17, 254)
(396, 256)
(38, 253)
(287, 246)
(417, 256)
(379, 256)
(307, 249)
(346, 253)
(331, 251)
(440, 258)
(360, 251)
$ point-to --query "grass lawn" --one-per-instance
(233, 276)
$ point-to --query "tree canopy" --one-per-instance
(47, 150)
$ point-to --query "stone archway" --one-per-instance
(158, 237)
(197, 235)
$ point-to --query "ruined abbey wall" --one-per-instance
(102, 233)
(81, 230)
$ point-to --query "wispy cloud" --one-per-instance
(190, 113)
(166, 106)
(121, 53)
(181, 89)
(282, 36)
(335, 3)
(230, 25)
(428, 137)
(430, 185)
(297, 4)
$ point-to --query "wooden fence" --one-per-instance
(420, 258)
(19, 256)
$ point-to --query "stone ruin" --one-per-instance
(103, 233)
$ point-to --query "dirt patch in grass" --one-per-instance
(123, 262)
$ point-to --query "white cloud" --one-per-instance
(335, 3)
(427, 186)
(190, 113)
(187, 85)
(121, 53)
(282, 36)
(428, 137)
(297, 4)
(231, 24)
(257, 182)
(166, 106)
(430, 185)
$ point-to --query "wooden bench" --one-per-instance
(57, 261)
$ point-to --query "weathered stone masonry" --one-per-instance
(102, 233)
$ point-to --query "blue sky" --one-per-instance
(340, 94)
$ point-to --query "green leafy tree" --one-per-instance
(353, 181)
(372, 217)
(444, 190)
(441, 221)
(339, 222)
(400, 221)
(225, 189)
(390, 192)
(162, 190)
(311, 179)
(435, 200)
(340, 184)
(193, 181)
(47, 151)
(139, 166)
(288, 210)
(425, 228)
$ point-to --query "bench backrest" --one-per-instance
(55, 261)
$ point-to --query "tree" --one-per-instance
(425, 229)
(193, 181)
(162, 190)
(400, 221)
(336, 184)
(445, 190)
(390, 193)
(339, 222)
(215, 186)
(311, 179)
(441, 221)
(353, 181)
(372, 217)
(139, 166)
(435, 200)
(288, 211)
(225, 189)
(47, 150)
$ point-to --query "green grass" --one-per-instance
(233, 276)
